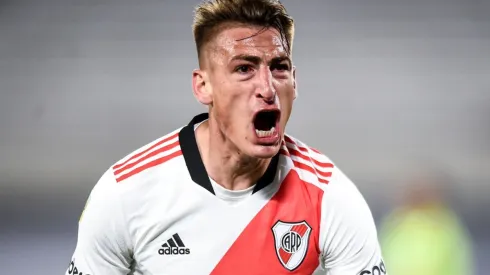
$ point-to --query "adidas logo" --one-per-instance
(174, 246)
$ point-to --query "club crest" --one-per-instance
(291, 242)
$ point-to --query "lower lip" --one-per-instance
(268, 140)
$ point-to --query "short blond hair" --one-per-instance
(211, 14)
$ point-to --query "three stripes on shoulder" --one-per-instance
(155, 154)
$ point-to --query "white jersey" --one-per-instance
(157, 212)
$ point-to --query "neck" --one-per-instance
(224, 163)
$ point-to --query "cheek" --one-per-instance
(230, 108)
(235, 98)
(286, 99)
(285, 92)
(221, 109)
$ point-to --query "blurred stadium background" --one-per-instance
(388, 89)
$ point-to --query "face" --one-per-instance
(249, 83)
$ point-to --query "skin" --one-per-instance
(243, 69)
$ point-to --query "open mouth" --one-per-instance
(265, 123)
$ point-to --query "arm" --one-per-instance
(103, 245)
(348, 234)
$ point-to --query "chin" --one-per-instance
(264, 151)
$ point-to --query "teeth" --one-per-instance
(261, 133)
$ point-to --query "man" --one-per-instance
(230, 193)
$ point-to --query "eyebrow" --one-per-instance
(256, 60)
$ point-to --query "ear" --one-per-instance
(201, 87)
(294, 83)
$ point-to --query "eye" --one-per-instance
(243, 69)
(279, 67)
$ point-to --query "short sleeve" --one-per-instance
(103, 244)
(348, 235)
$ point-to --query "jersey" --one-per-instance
(157, 211)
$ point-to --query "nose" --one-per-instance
(266, 89)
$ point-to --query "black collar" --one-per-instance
(195, 166)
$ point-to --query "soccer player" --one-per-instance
(230, 192)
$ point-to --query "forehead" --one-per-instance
(240, 40)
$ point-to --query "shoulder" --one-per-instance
(151, 155)
(317, 168)
(312, 164)
(342, 199)
(111, 193)
(348, 234)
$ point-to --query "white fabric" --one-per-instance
(126, 223)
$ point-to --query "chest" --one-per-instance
(273, 232)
